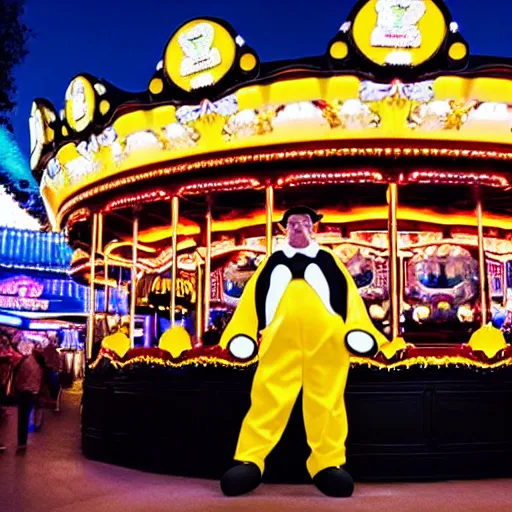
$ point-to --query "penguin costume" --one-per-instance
(303, 307)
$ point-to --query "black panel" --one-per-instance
(473, 416)
(409, 425)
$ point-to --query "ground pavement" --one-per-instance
(54, 477)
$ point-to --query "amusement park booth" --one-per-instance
(398, 135)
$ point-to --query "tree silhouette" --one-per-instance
(14, 36)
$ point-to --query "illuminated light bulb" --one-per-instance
(377, 312)
(286, 155)
(346, 26)
(421, 313)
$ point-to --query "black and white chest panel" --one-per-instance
(320, 272)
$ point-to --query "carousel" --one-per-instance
(403, 141)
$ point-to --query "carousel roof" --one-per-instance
(396, 81)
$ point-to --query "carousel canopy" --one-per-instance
(396, 82)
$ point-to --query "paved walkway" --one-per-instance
(54, 477)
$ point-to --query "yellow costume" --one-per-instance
(313, 315)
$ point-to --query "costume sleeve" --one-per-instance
(358, 320)
(244, 322)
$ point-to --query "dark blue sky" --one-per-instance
(123, 40)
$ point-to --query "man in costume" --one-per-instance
(304, 306)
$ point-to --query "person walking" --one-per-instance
(52, 370)
(8, 360)
(27, 384)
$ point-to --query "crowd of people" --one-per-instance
(29, 377)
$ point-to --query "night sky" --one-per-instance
(123, 40)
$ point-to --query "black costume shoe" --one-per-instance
(335, 482)
(241, 479)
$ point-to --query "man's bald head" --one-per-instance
(299, 229)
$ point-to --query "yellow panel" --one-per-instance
(489, 89)
(68, 153)
(141, 120)
(250, 97)
(302, 89)
(284, 92)
(481, 89)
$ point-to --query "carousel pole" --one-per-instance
(208, 265)
(174, 269)
(401, 287)
(269, 213)
(394, 292)
(92, 294)
(199, 302)
(505, 283)
(100, 232)
(482, 273)
(105, 266)
(107, 287)
(133, 295)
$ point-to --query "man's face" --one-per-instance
(299, 230)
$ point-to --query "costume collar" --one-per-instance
(311, 250)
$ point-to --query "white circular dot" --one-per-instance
(242, 347)
(360, 341)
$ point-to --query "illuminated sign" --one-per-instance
(199, 55)
(40, 132)
(22, 293)
(397, 23)
(399, 32)
(80, 104)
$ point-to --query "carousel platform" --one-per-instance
(434, 414)
(68, 482)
